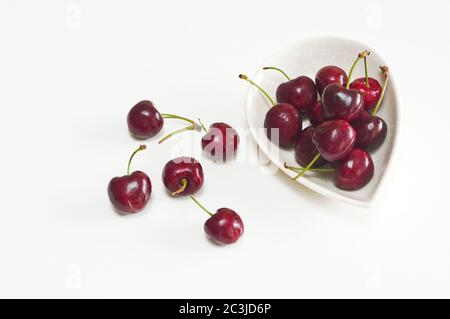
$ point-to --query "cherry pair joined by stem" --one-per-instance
(300, 92)
(130, 193)
(283, 122)
(223, 227)
(341, 102)
(183, 176)
(145, 121)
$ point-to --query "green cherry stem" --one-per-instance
(304, 170)
(277, 69)
(244, 77)
(385, 71)
(140, 148)
(366, 71)
(350, 74)
(182, 188)
(192, 127)
(201, 206)
(297, 169)
(203, 127)
(187, 128)
(173, 116)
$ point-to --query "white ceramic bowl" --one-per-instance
(306, 57)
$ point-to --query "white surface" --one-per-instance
(69, 72)
(316, 51)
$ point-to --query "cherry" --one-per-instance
(300, 92)
(369, 87)
(305, 150)
(330, 74)
(316, 114)
(220, 142)
(145, 121)
(283, 122)
(130, 193)
(371, 130)
(340, 102)
(183, 176)
(355, 170)
(334, 139)
(224, 227)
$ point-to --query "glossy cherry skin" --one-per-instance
(220, 142)
(285, 122)
(130, 193)
(316, 114)
(300, 92)
(354, 171)
(224, 227)
(144, 120)
(330, 74)
(306, 150)
(370, 93)
(334, 139)
(371, 131)
(340, 103)
(179, 169)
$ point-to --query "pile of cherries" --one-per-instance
(344, 125)
(182, 176)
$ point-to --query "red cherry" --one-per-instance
(220, 142)
(316, 114)
(330, 74)
(370, 93)
(144, 120)
(183, 176)
(306, 150)
(130, 193)
(355, 170)
(334, 139)
(224, 227)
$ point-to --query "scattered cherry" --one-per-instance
(220, 142)
(355, 170)
(144, 120)
(183, 176)
(306, 150)
(371, 130)
(283, 122)
(316, 114)
(340, 102)
(300, 92)
(130, 193)
(330, 74)
(224, 227)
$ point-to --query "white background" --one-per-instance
(70, 71)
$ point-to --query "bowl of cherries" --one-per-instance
(326, 112)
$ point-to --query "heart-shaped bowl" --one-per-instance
(306, 57)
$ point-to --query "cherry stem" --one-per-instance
(304, 170)
(187, 128)
(366, 71)
(203, 127)
(244, 77)
(140, 148)
(182, 188)
(277, 69)
(385, 71)
(173, 116)
(201, 206)
(296, 169)
(350, 74)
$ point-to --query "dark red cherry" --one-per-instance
(144, 120)
(130, 193)
(334, 139)
(371, 130)
(316, 114)
(330, 74)
(283, 124)
(300, 92)
(305, 149)
(355, 170)
(341, 103)
(183, 176)
(371, 92)
(224, 227)
(220, 142)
